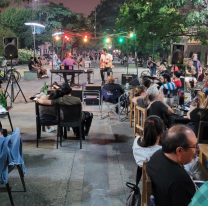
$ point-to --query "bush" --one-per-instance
(25, 54)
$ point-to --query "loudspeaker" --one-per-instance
(10, 47)
(178, 53)
(91, 100)
(132, 79)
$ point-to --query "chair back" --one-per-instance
(202, 133)
(110, 96)
(71, 113)
(132, 91)
(146, 187)
(140, 116)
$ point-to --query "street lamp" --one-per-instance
(33, 25)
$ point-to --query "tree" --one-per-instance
(4, 32)
(163, 20)
(6, 3)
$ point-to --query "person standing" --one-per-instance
(197, 65)
(69, 62)
(151, 65)
(106, 63)
(55, 57)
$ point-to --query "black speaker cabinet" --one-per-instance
(91, 97)
(178, 53)
(10, 47)
(129, 78)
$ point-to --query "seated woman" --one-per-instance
(144, 148)
(140, 93)
(198, 113)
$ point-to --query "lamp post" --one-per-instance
(33, 25)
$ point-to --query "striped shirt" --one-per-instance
(169, 86)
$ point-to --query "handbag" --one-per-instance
(134, 197)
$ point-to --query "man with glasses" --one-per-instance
(171, 183)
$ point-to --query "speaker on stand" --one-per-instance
(11, 52)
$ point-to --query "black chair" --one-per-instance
(71, 118)
(44, 120)
(202, 133)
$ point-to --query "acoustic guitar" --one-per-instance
(103, 65)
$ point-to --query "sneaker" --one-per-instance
(43, 75)
(51, 129)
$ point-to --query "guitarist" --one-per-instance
(105, 64)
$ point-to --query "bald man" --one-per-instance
(171, 183)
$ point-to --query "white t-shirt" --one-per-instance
(143, 153)
(106, 58)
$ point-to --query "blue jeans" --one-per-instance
(152, 71)
(206, 91)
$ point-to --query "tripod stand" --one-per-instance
(12, 80)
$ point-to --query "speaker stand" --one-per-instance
(12, 80)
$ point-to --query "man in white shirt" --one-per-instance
(105, 61)
(55, 58)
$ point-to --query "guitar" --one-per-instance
(103, 65)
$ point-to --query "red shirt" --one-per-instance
(206, 83)
(178, 83)
(176, 68)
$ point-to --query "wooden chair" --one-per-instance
(140, 116)
(146, 187)
(201, 97)
(202, 133)
(131, 106)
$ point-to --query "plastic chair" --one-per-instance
(72, 117)
(44, 120)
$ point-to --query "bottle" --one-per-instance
(168, 93)
(118, 82)
(181, 98)
(0, 100)
(45, 89)
(3, 101)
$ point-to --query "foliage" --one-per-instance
(25, 54)
(6, 3)
(4, 32)
(163, 21)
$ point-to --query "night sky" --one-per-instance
(79, 6)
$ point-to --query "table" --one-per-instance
(203, 154)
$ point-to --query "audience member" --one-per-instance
(156, 104)
(174, 68)
(198, 113)
(67, 99)
(176, 79)
(151, 65)
(197, 65)
(171, 183)
(144, 148)
(167, 84)
(201, 76)
(33, 67)
(139, 96)
(146, 82)
(43, 70)
(190, 74)
(206, 82)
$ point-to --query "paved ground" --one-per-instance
(68, 176)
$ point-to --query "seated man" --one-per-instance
(171, 183)
(110, 86)
(34, 68)
(167, 84)
(67, 99)
(190, 72)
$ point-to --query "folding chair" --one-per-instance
(113, 97)
(11, 157)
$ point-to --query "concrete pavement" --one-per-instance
(95, 175)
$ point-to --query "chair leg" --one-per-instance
(21, 176)
(10, 194)
(58, 133)
(43, 128)
(65, 133)
(10, 121)
(80, 135)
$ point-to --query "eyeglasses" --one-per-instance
(195, 147)
(206, 74)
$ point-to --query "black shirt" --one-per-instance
(113, 86)
(141, 103)
(195, 65)
(171, 184)
(166, 72)
(30, 65)
(157, 108)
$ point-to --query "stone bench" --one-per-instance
(30, 75)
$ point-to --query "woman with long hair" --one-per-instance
(144, 148)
